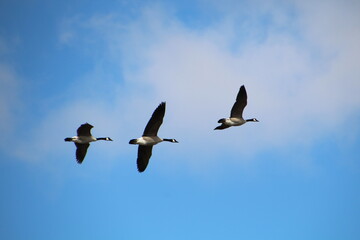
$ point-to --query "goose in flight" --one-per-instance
(236, 118)
(82, 141)
(150, 138)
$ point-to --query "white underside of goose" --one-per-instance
(234, 121)
(83, 139)
(148, 141)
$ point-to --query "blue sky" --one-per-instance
(293, 175)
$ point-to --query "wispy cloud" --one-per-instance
(302, 78)
(295, 84)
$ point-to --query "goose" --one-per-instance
(236, 118)
(150, 138)
(82, 141)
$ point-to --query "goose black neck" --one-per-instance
(102, 138)
(167, 139)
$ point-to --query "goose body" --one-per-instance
(236, 118)
(82, 141)
(232, 121)
(150, 138)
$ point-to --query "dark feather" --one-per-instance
(84, 130)
(240, 104)
(221, 127)
(81, 150)
(144, 154)
(155, 121)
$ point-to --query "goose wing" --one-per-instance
(155, 121)
(240, 104)
(84, 130)
(81, 150)
(144, 154)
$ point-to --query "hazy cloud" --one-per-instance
(298, 86)
(301, 77)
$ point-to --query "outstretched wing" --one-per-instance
(221, 127)
(144, 154)
(84, 130)
(155, 121)
(240, 104)
(81, 150)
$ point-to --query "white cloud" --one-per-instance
(292, 89)
(300, 86)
